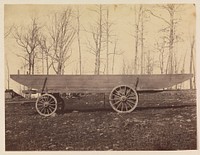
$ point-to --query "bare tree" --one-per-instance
(107, 40)
(142, 40)
(170, 31)
(138, 13)
(6, 34)
(45, 49)
(27, 39)
(97, 31)
(79, 41)
(9, 31)
(114, 53)
(8, 72)
(192, 43)
(125, 67)
(111, 42)
(160, 48)
(108, 30)
(150, 63)
(141, 16)
(62, 34)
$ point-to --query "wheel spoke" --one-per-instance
(131, 95)
(41, 99)
(121, 91)
(116, 102)
(51, 102)
(116, 94)
(52, 107)
(114, 99)
(131, 101)
(119, 104)
(128, 92)
(125, 91)
(42, 109)
(47, 98)
(40, 105)
(51, 99)
(122, 107)
(47, 110)
(39, 102)
(126, 106)
(129, 105)
(44, 98)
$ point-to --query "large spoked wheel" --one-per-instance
(123, 99)
(46, 105)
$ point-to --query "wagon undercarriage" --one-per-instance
(123, 89)
(123, 99)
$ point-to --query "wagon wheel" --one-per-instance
(123, 99)
(46, 105)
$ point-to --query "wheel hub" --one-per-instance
(123, 98)
(46, 104)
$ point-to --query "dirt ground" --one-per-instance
(161, 121)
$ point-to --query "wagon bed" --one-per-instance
(99, 83)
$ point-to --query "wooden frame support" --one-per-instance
(45, 81)
(136, 84)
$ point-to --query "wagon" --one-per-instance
(123, 89)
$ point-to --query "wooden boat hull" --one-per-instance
(99, 83)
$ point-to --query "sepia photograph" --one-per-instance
(100, 77)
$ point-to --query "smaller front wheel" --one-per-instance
(46, 105)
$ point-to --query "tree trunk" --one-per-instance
(107, 42)
(100, 38)
(171, 44)
(47, 63)
(29, 65)
(142, 42)
(136, 50)
(98, 63)
(114, 56)
(79, 42)
(191, 61)
(42, 62)
(8, 73)
(59, 69)
(33, 66)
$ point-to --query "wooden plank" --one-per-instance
(100, 82)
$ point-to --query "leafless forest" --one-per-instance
(46, 47)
